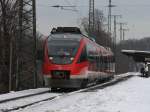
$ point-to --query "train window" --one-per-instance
(83, 56)
(91, 49)
(62, 51)
(62, 47)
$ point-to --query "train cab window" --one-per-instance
(62, 51)
(83, 56)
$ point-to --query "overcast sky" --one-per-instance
(135, 13)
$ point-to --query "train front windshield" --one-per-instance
(62, 51)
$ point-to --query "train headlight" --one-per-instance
(72, 58)
(51, 58)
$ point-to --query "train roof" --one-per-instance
(66, 33)
(66, 36)
(73, 33)
(60, 30)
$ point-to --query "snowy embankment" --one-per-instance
(132, 95)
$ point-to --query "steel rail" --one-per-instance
(23, 96)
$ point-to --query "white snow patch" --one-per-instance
(132, 95)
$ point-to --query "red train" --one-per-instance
(72, 60)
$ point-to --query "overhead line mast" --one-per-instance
(115, 29)
(109, 18)
(121, 30)
(26, 45)
(91, 16)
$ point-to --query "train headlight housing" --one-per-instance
(50, 58)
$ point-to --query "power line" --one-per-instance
(120, 5)
(65, 7)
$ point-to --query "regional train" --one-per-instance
(73, 60)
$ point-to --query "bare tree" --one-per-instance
(8, 25)
(99, 34)
(14, 44)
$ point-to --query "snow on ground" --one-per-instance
(132, 95)
(22, 93)
(25, 101)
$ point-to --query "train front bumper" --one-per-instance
(63, 83)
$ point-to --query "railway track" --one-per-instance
(22, 94)
(25, 101)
